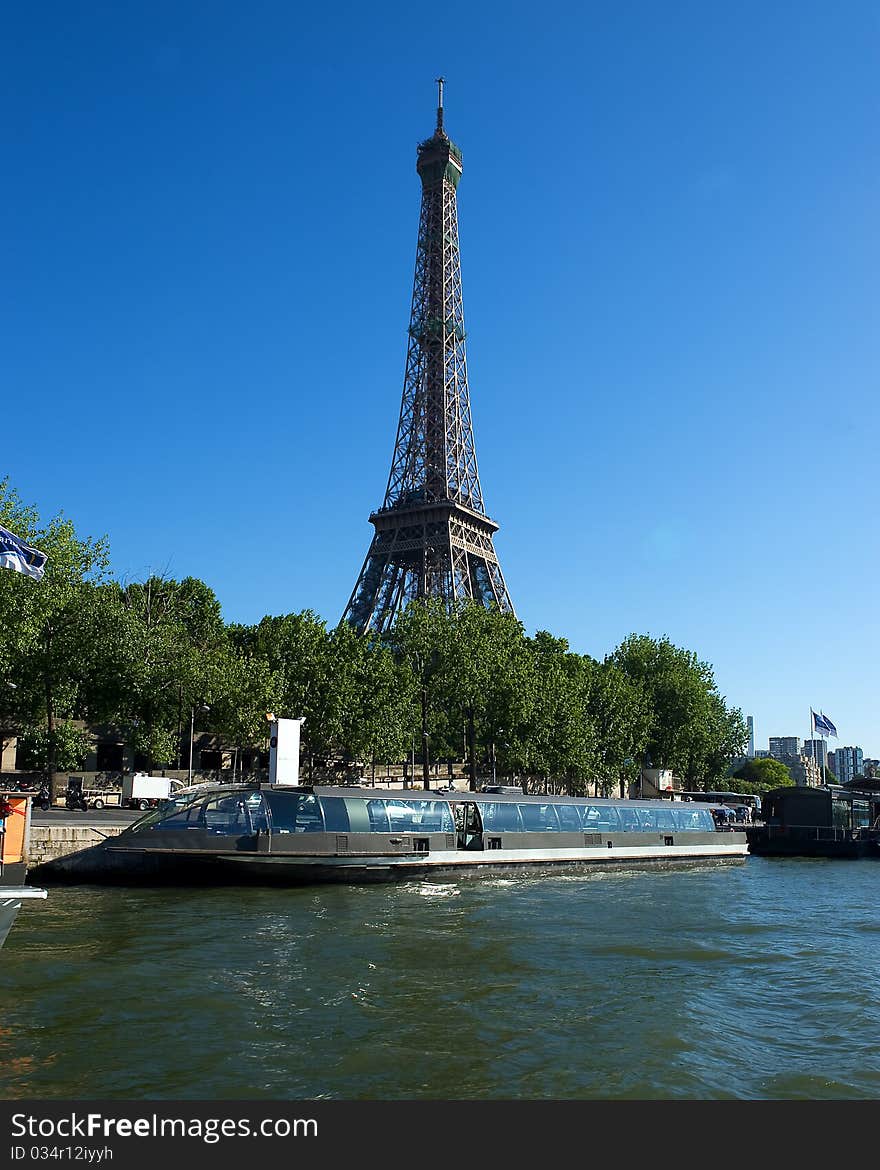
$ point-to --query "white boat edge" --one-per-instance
(11, 898)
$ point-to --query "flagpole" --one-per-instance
(812, 735)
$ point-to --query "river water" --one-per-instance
(757, 980)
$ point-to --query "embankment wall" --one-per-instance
(50, 842)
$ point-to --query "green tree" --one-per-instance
(484, 683)
(49, 625)
(691, 730)
(243, 690)
(619, 712)
(762, 774)
(69, 745)
(560, 741)
(420, 643)
(372, 708)
(296, 650)
(166, 634)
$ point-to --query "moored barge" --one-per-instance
(831, 821)
(326, 834)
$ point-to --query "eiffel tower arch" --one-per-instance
(432, 535)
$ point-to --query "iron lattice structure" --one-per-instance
(433, 537)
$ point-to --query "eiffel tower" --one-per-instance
(433, 537)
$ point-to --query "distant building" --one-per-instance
(848, 762)
(784, 745)
(804, 770)
(762, 754)
(750, 723)
(871, 769)
(817, 749)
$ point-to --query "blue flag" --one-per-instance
(16, 555)
(823, 725)
(830, 729)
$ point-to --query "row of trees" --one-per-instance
(466, 683)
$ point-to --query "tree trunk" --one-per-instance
(426, 773)
(50, 731)
(472, 752)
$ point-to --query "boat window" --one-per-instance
(256, 809)
(629, 820)
(665, 819)
(226, 815)
(501, 817)
(840, 813)
(186, 817)
(539, 818)
(295, 812)
(356, 807)
(427, 816)
(601, 816)
(861, 814)
(438, 817)
(647, 819)
(473, 824)
(694, 819)
(569, 818)
(378, 815)
(335, 814)
(150, 820)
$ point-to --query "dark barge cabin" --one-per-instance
(315, 834)
(830, 821)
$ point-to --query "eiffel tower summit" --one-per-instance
(433, 537)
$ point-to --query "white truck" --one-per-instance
(139, 790)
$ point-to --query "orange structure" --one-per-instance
(14, 831)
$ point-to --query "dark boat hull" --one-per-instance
(781, 842)
(111, 864)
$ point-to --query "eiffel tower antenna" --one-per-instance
(433, 537)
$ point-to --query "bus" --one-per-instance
(745, 805)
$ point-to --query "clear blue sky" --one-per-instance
(670, 253)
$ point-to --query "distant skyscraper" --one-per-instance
(784, 745)
(750, 723)
(848, 762)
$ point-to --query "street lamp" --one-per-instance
(497, 732)
(192, 727)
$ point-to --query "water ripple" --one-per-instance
(757, 981)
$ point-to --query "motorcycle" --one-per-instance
(43, 799)
(74, 798)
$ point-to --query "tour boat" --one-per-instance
(296, 835)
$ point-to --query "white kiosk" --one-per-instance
(284, 750)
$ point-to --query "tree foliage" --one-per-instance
(445, 683)
(690, 728)
(762, 775)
